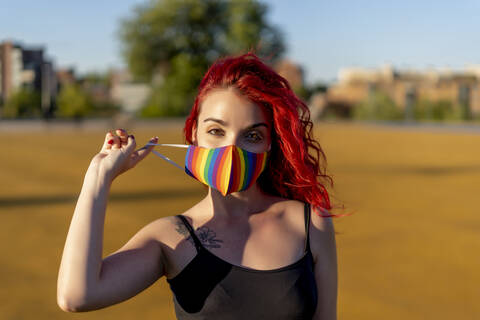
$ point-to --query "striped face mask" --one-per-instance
(227, 169)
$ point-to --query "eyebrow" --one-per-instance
(225, 124)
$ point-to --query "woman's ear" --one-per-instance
(193, 138)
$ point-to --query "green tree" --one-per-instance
(378, 106)
(73, 102)
(24, 103)
(172, 42)
(435, 110)
(184, 76)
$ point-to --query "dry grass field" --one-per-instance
(409, 251)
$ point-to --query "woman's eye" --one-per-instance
(215, 132)
(254, 136)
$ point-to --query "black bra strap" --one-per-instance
(197, 242)
(307, 214)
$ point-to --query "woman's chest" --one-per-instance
(263, 246)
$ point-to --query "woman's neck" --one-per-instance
(238, 205)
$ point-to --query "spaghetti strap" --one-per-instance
(198, 244)
(307, 214)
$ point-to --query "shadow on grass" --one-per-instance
(414, 170)
(22, 201)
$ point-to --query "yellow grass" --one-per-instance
(409, 251)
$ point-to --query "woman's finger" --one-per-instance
(122, 133)
(117, 143)
(131, 144)
(107, 144)
(144, 151)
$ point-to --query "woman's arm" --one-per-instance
(85, 281)
(322, 243)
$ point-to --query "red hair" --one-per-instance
(292, 171)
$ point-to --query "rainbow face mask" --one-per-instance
(227, 169)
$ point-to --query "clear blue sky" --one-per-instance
(322, 36)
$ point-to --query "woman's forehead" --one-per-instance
(231, 107)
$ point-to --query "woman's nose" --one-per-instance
(232, 139)
(237, 141)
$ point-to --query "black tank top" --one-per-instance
(211, 288)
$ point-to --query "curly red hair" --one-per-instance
(292, 171)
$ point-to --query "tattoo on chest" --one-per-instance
(207, 236)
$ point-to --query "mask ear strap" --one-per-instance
(168, 145)
(164, 157)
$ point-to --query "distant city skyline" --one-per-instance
(322, 37)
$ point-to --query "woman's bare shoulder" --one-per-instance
(290, 212)
(321, 220)
(293, 211)
(167, 230)
(288, 207)
(322, 236)
(283, 204)
(296, 209)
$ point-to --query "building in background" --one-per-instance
(292, 72)
(66, 77)
(406, 88)
(11, 67)
(130, 95)
(27, 68)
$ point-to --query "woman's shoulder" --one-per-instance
(317, 215)
(168, 231)
(289, 213)
(288, 207)
(294, 211)
(296, 207)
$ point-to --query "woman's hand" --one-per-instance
(118, 154)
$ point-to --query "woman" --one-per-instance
(250, 250)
